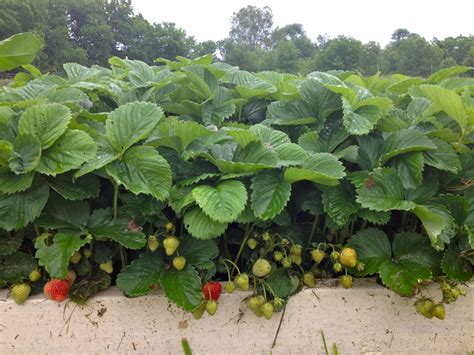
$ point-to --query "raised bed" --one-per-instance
(365, 319)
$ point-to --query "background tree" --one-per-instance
(411, 54)
(252, 26)
(341, 53)
(90, 31)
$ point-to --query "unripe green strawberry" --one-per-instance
(348, 257)
(335, 256)
(71, 277)
(252, 243)
(296, 249)
(255, 302)
(153, 243)
(171, 244)
(337, 267)
(169, 227)
(108, 266)
(267, 310)
(346, 281)
(277, 256)
(242, 281)
(261, 268)
(87, 253)
(229, 286)
(211, 307)
(456, 292)
(286, 262)
(438, 311)
(179, 262)
(197, 314)
(278, 304)
(424, 306)
(309, 280)
(34, 276)
(266, 236)
(450, 293)
(20, 292)
(360, 266)
(75, 258)
(317, 255)
(295, 258)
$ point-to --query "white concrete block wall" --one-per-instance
(365, 319)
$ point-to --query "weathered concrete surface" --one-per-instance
(365, 319)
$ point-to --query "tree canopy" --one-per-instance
(90, 31)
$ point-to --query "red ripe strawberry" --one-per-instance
(56, 289)
(211, 290)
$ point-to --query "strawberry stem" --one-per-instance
(231, 262)
(248, 231)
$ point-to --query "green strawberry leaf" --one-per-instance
(383, 191)
(105, 155)
(402, 277)
(454, 266)
(21, 208)
(339, 204)
(142, 275)
(374, 217)
(373, 249)
(68, 152)
(142, 170)
(415, 248)
(19, 49)
(197, 251)
(118, 232)
(46, 121)
(270, 194)
(79, 189)
(222, 203)
(64, 214)
(270, 138)
(409, 167)
(16, 267)
(55, 257)
(25, 155)
(435, 219)
(176, 134)
(182, 287)
(200, 226)
(280, 282)
(9, 243)
(322, 168)
(360, 120)
(404, 141)
(443, 158)
(445, 100)
(11, 183)
(296, 112)
(131, 123)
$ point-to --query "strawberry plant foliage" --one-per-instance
(124, 170)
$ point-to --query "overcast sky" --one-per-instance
(366, 20)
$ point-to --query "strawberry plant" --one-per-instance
(182, 174)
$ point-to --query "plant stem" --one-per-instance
(123, 256)
(313, 229)
(404, 219)
(248, 231)
(115, 205)
(233, 264)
